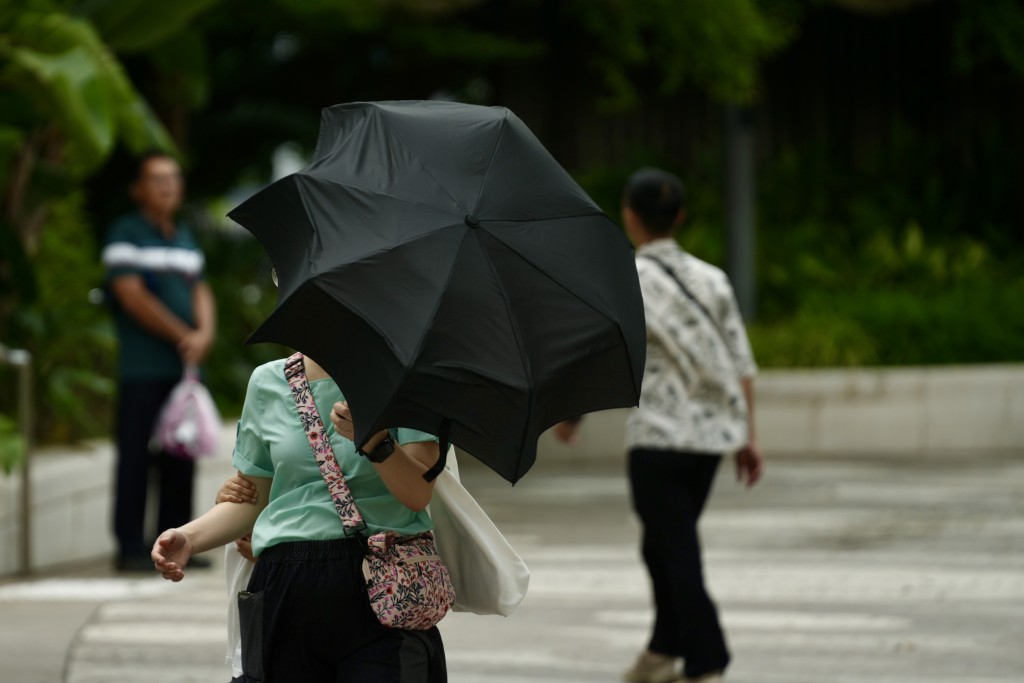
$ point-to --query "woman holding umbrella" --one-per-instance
(452, 276)
(306, 615)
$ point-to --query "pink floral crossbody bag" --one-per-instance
(407, 581)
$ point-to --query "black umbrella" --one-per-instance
(450, 275)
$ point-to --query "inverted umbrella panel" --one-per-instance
(446, 271)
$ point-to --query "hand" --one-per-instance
(567, 431)
(171, 554)
(749, 464)
(244, 547)
(341, 418)
(237, 490)
(194, 346)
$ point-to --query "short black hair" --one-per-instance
(657, 197)
(146, 157)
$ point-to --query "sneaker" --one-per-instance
(651, 667)
(713, 677)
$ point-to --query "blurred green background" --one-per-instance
(890, 198)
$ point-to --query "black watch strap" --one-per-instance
(382, 452)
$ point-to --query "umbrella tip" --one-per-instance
(472, 221)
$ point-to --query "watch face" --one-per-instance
(383, 450)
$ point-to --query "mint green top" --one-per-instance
(271, 443)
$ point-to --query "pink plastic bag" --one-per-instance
(189, 425)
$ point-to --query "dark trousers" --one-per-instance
(306, 617)
(670, 489)
(138, 406)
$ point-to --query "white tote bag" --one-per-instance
(488, 575)
(238, 570)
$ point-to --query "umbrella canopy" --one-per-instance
(450, 275)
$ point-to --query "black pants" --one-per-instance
(138, 406)
(306, 618)
(669, 492)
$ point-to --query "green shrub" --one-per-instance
(71, 340)
(238, 271)
(74, 345)
(866, 283)
(813, 337)
(12, 445)
(861, 280)
(977, 321)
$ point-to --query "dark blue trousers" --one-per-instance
(669, 490)
(138, 406)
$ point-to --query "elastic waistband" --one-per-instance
(335, 549)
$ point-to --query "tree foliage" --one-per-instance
(69, 82)
(66, 103)
(991, 31)
(715, 45)
(137, 25)
(225, 83)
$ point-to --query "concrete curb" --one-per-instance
(876, 411)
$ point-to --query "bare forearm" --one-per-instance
(221, 524)
(204, 308)
(147, 310)
(748, 394)
(151, 314)
(403, 473)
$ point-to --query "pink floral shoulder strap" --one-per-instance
(344, 503)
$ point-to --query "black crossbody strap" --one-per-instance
(443, 443)
(689, 295)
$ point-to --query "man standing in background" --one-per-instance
(165, 316)
(696, 404)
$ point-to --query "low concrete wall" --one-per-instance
(879, 411)
(951, 410)
(72, 503)
(905, 410)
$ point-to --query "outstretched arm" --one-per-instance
(220, 525)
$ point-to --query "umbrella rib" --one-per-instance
(543, 220)
(613, 320)
(519, 343)
(490, 161)
(379, 193)
(425, 168)
(389, 248)
(426, 331)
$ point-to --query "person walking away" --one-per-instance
(696, 404)
(165, 317)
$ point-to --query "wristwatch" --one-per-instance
(382, 452)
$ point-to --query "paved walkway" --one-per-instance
(840, 570)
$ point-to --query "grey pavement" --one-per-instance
(904, 569)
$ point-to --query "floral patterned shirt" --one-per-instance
(692, 397)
